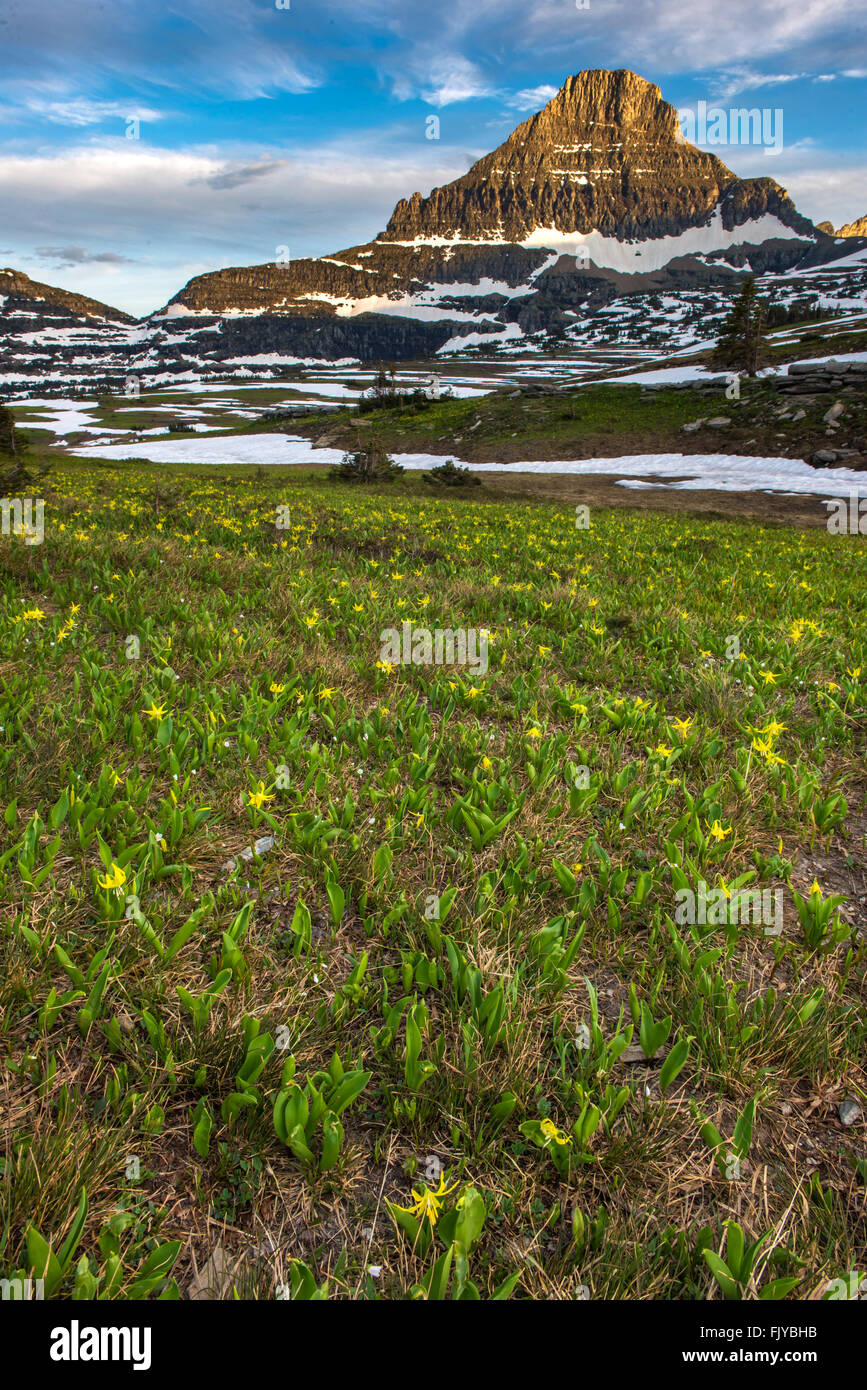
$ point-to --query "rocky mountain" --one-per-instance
(51, 334)
(856, 228)
(594, 196)
(593, 200)
(22, 297)
(605, 155)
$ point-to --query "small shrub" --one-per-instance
(366, 465)
(450, 474)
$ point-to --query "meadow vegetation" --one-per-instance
(372, 974)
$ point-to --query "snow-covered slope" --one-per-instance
(594, 225)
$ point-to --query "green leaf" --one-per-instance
(202, 1130)
(674, 1064)
(471, 1214)
(437, 1281)
(473, 829)
(564, 877)
(73, 1236)
(351, 1086)
(337, 899)
(722, 1275)
(504, 1290)
(778, 1288)
(735, 1251)
(160, 1261)
(382, 861)
(652, 1035)
(743, 1135)
(43, 1261)
(183, 933)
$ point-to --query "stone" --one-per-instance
(856, 228)
(719, 422)
(849, 1111)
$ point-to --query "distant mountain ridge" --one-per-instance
(605, 154)
(596, 196)
(17, 287)
(596, 192)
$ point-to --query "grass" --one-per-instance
(595, 416)
(598, 421)
(447, 1034)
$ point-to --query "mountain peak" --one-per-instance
(856, 228)
(618, 96)
(605, 154)
(597, 193)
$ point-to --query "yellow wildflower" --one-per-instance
(115, 879)
(259, 797)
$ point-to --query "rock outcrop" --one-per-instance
(856, 228)
(596, 195)
(23, 295)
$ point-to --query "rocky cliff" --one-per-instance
(606, 154)
(596, 195)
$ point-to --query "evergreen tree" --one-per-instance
(7, 432)
(368, 464)
(17, 472)
(741, 337)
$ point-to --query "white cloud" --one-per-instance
(729, 84)
(454, 79)
(647, 35)
(81, 111)
(531, 98)
(235, 48)
(201, 207)
(823, 185)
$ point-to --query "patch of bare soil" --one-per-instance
(602, 490)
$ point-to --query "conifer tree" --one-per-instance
(7, 432)
(741, 337)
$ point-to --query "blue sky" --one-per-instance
(300, 126)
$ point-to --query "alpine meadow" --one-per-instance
(433, 675)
